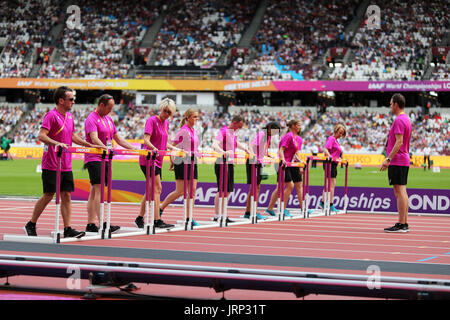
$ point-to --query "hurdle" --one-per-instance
(327, 174)
(149, 204)
(327, 161)
(55, 236)
(280, 191)
(149, 217)
(188, 196)
(223, 217)
(346, 199)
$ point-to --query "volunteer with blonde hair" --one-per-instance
(156, 134)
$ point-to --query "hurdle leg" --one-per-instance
(324, 194)
(220, 204)
(191, 194)
(307, 189)
(57, 235)
(152, 196)
(185, 195)
(303, 192)
(147, 193)
(253, 194)
(346, 189)
(282, 217)
(225, 195)
(325, 202)
(108, 200)
(280, 191)
(329, 189)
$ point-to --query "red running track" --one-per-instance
(335, 242)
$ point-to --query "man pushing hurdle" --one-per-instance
(57, 130)
(100, 129)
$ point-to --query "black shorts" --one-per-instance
(157, 171)
(179, 171)
(291, 174)
(333, 169)
(230, 176)
(398, 175)
(249, 172)
(95, 172)
(49, 181)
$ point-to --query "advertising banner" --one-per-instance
(363, 159)
(363, 199)
(224, 85)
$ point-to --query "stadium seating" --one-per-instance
(400, 49)
(10, 115)
(108, 32)
(292, 41)
(293, 38)
(366, 130)
(22, 31)
(198, 32)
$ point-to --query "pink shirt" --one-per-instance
(402, 126)
(227, 139)
(333, 147)
(260, 145)
(105, 128)
(292, 144)
(60, 128)
(159, 133)
(187, 139)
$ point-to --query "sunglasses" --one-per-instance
(167, 111)
(70, 99)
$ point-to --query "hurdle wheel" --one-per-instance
(90, 295)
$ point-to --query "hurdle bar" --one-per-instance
(220, 279)
(55, 236)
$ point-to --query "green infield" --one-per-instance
(20, 177)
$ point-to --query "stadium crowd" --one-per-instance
(24, 31)
(294, 35)
(100, 45)
(197, 33)
(290, 44)
(9, 117)
(366, 131)
(398, 50)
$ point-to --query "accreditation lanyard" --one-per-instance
(64, 123)
(108, 129)
(266, 147)
(296, 146)
(191, 133)
(161, 123)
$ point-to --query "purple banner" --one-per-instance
(430, 201)
(362, 85)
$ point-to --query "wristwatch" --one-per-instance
(388, 159)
